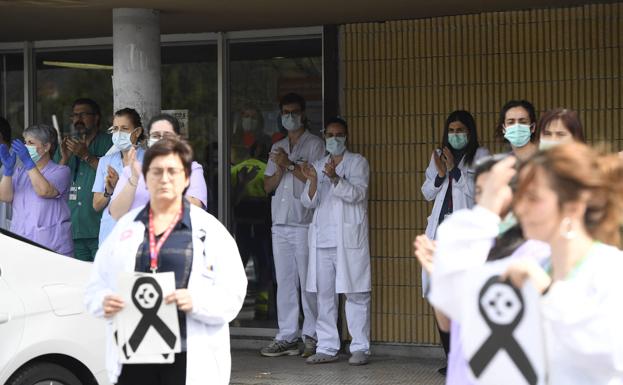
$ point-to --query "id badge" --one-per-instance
(73, 192)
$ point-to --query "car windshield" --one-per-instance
(20, 238)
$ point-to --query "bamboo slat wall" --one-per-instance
(400, 79)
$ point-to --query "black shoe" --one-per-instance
(442, 371)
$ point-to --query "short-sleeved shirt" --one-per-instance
(46, 221)
(176, 255)
(114, 160)
(196, 189)
(84, 219)
(286, 207)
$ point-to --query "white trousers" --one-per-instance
(357, 309)
(291, 254)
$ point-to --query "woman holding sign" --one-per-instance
(170, 234)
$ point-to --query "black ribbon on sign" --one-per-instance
(502, 338)
(150, 316)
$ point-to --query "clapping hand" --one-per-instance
(280, 157)
(22, 152)
(77, 146)
(329, 169)
(8, 159)
(309, 171)
(439, 163)
(448, 158)
(111, 180)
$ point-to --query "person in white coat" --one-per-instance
(170, 234)
(290, 222)
(339, 252)
(449, 180)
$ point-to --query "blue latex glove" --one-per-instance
(22, 152)
(8, 160)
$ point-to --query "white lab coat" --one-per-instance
(353, 248)
(462, 195)
(582, 314)
(217, 286)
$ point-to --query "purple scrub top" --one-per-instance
(46, 221)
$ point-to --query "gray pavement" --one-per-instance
(249, 368)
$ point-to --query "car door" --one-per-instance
(11, 321)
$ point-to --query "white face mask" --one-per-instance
(248, 124)
(122, 140)
(336, 145)
(291, 122)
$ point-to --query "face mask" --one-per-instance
(34, 155)
(121, 140)
(518, 134)
(336, 145)
(509, 221)
(545, 144)
(248, 124)
(291, 122)
(457, 141)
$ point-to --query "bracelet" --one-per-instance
(132, 184)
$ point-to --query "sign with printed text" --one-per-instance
(147, 330)
(182, 117)
(501, 332)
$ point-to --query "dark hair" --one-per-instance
(468, 120)
(165, 147)
(574, 169)
(95, 108)
(134, 117)
(568, 118)
(526, 105)
(169, 118)
(292, 98)
(337, 120)
(44, 133)
(5, 130)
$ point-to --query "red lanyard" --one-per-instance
(154, 249)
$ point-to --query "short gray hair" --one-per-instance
(44, 133)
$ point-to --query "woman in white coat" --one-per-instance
(339, 252)
(450, 180)
(170, 234)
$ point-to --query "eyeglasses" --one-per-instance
(162, 135)
(80, 115)
(115, 129)
(158, 172)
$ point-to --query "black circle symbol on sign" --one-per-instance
(502, 307)
(147, 297)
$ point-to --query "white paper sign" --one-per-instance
(182, 117)
(501, 332)
(147, 330)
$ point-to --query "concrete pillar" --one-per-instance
(136, 60)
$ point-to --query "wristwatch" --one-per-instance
(290, 167)
(107, 194)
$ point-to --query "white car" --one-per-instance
(46, 335)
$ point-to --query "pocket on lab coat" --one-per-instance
(353, 236)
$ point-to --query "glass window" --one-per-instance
(190, 91)
(12, 90)
(260, 74)
(64, 76)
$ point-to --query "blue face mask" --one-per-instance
(34, 155)
(518, 134)
(122, 140)
(458, 141)
(336, 145)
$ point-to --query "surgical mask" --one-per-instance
(122, 140)
(291, 122)
(546, 144)
(518, 134)
(248, 124)
(34, 155)
(336, 145)
(457, 141)
(509, 221)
